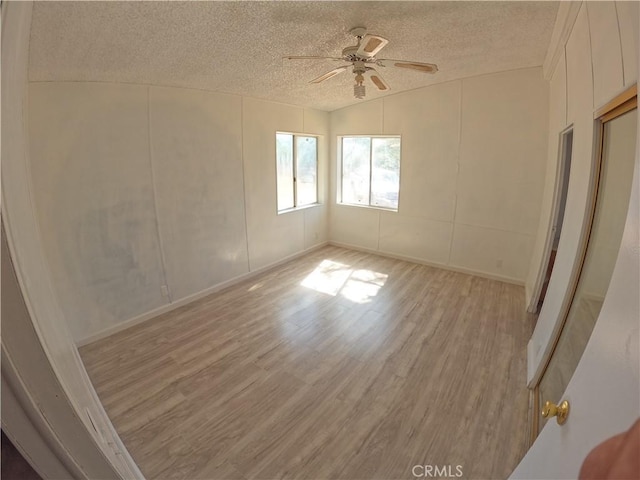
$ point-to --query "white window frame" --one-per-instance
(339, 196)
(295, 172)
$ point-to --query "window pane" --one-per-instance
(307, 170)
(385, 174)
(284, 162)
(355, 170)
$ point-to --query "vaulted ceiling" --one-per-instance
(237, 47)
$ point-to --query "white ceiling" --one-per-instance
(236, 47)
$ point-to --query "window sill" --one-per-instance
(369, 207)
(297, 209)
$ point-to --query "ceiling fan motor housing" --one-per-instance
(350, 54)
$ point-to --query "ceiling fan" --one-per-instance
(362, 57)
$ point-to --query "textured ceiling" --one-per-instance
(236, 47)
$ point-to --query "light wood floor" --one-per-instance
(397, 365)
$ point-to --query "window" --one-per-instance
(297, 170)
(371, 171)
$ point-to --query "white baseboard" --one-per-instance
(216, 288)
(420, 261)
(191, 298)
(528, 299)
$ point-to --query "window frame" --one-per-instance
(294, 184)
(340, 176)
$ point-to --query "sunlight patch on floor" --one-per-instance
(335, 278)
(363, 285)
(328, 277)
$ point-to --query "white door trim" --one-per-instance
(32, 443)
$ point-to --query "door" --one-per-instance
(595, 364)
(605, 236)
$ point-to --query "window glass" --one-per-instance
(306, 170)
(284, 160)
(356, 166)
(371, 171)
(385, 172)
(297, 170)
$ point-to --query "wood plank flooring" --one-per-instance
(338, 365)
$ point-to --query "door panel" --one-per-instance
(616, 173)
(603, 391)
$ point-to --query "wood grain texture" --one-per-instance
(399, 365)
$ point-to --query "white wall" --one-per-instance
(472, 173)
(271, 236)
(598, 61)
(196, 152)
(140, 187)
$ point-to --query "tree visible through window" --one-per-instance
(297, 170)
(371, 171)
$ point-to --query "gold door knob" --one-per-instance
(561, 412)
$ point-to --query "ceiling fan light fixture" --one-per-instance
(359, 89)
(363, 58)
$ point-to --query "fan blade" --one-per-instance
(370, 45)
(419, 66)
(330, 74)
(377, 80)
(309, 57)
